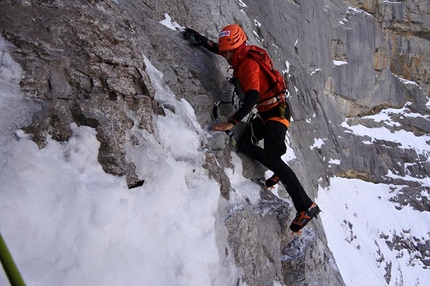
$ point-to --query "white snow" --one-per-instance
(315, 71)
(392, 2)
(318, 142)
(15, 112)
(289, 155)
(339, 63)
(404, 139)
(244, 187)
(405, 81)
(334, 162)
(242, 4)
(167, 22)
(358, 219)
(353, 10)
(10, 74)
(67, 222)
(287, 66)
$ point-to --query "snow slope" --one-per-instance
(67, 222)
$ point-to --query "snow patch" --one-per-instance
(167, 22)
(318, 142)
(339, 63)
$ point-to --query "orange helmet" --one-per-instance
(230, 38)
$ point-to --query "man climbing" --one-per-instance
(272, 121)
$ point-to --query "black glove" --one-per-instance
(193, 37)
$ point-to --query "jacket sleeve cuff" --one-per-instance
(232, 120)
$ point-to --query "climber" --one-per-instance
(272, 121)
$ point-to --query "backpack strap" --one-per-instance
(263, 59)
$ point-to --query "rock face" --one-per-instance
(83, 62)
(71, 69)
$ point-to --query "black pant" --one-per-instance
(273, 133)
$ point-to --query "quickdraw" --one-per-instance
(218, 120)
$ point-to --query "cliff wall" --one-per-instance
(84, 62)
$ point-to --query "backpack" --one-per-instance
(278, 84)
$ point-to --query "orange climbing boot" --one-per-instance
(271, 182)
(303, 217)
